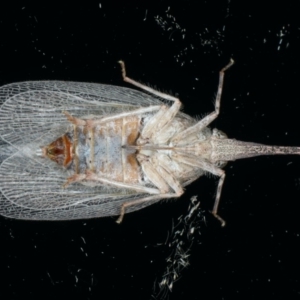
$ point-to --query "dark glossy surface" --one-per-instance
(257, 254)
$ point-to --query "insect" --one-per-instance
(74, 150)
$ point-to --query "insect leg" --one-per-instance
(161, 178)
(152, 174)
(209, 118)
(170, 179)
(156, 195)
(162, 163)
(138, 111)
(74, 178)
(144, 87)
(91, 176)
(158, 173)
(142, 200)
(162, 118)
(74, 120)
(195, 161)
(94, 122)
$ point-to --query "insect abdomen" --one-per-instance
(101, 150)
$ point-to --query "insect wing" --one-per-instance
(33, 190)
(32, 108)
(30, 117)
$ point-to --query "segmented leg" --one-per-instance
(209, 118)
(162, 162)
(161, 118)
(161, 178)
(94, 122)
(142, 200)
(217, 200)
(164, 116)
(91, 176)
(156, 195)
(158, 173)
(195, 161)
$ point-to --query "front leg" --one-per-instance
(209, 118)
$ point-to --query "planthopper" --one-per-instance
(72, 150)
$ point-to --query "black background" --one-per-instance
(178, 48)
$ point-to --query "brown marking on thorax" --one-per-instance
(60, 151)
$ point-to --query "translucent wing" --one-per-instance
(30, 117)
(32, 108)
(33, 190)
